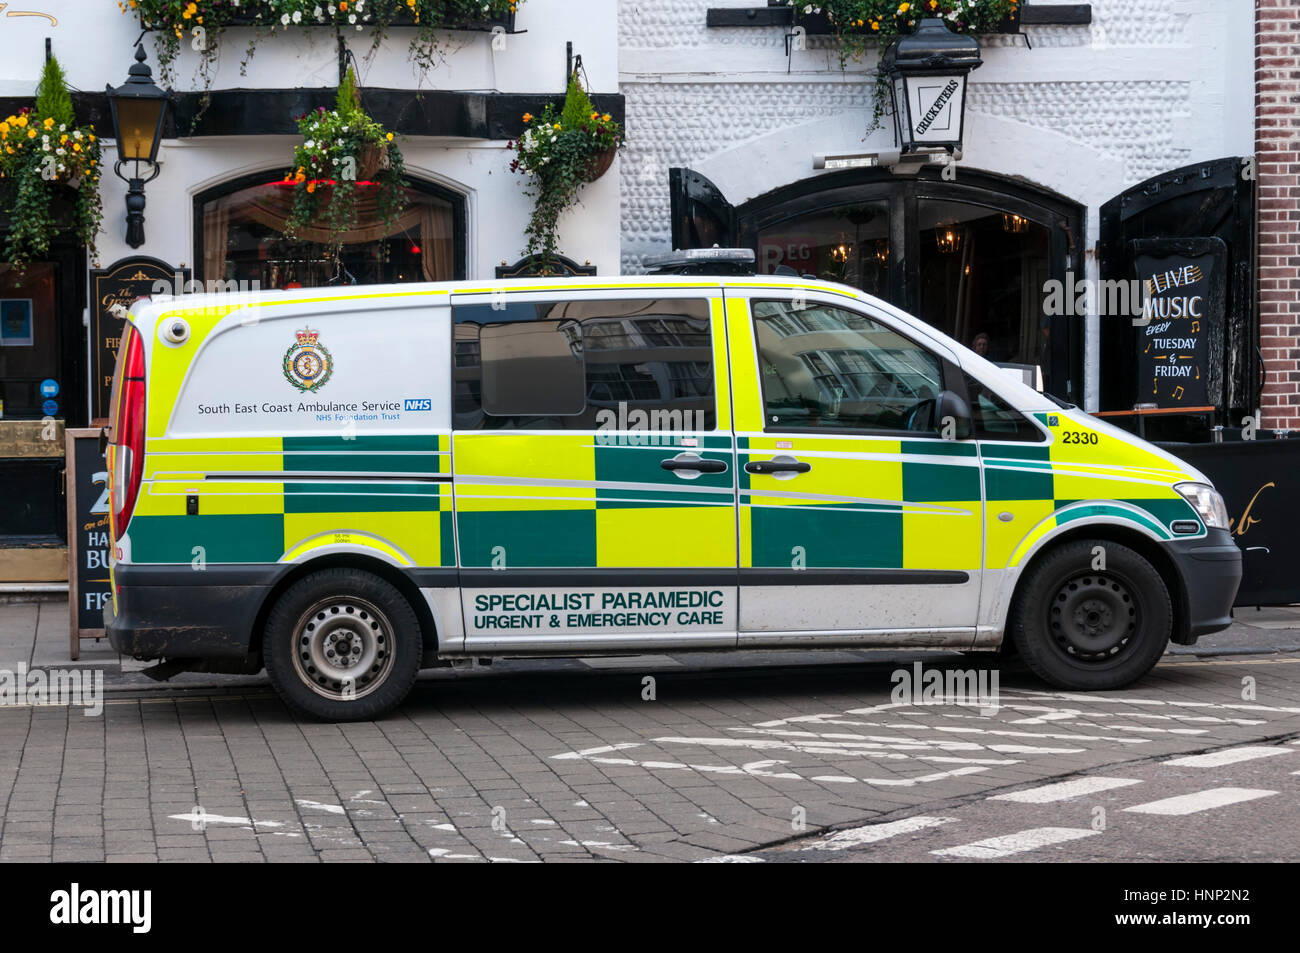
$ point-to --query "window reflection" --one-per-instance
(849, 245)
(981, 278)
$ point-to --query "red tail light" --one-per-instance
(126, 438)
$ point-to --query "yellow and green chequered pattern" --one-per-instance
(260, 499)
(865, 504)
(591, 501)
(1047, 486)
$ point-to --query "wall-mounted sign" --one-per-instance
(120, 283)
(16, 329)
(1181, 333)
(88, 536)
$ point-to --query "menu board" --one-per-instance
(1181, 331)
(120, 283)
(88, 535)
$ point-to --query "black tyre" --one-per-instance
(1087, 628)
(342, 645)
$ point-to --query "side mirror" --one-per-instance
(952, 416)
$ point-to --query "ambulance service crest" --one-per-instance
(307, 364)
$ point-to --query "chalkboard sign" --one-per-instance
(1181, 332)
(120, 283)
(88, 536)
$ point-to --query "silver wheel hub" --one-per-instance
(343, 648)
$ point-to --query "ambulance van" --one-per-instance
(344, 486)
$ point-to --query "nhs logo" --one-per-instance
(419, 403)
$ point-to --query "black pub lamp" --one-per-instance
(139, 110)
(927, 72)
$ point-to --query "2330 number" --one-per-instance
(1080, 437)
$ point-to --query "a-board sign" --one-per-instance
(89, 544)
(1180, 335)
(120, 283)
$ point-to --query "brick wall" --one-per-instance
(1277, 148)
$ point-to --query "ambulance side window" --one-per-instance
(557, 365)
(994, 419)
(825, 368)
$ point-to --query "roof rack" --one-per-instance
(702, 261)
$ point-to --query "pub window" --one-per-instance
(241, 237)
(842, 371)
(557, 365)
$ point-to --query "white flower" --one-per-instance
(297, 16)
(330, 8)
(317, 13)
(352, 18)
(285, 19)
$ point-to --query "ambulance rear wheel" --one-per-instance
(1091, 615)
(342, 645)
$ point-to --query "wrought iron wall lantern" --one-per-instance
(927, 73)
(139, 111)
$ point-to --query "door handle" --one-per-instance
(777, 466)
(695, 465)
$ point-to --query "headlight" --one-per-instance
(1207, 502)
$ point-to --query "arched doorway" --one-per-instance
(969, 256)
(239, 236)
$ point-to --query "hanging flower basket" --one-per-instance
(344, 155)
(373, 158)
(561, 151)
(49, 173)
(599, 164)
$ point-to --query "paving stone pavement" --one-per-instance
(743, 758)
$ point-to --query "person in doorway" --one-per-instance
(980, 345)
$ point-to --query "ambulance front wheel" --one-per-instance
(342, 645)
(1091, 615)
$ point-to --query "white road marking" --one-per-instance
(443, 853)
(203, 817)
(870, 833)
(995, 847)
(588, 752)
(1064, 790)
(318, 806)
(867, 742)
(598, 845)
(1103, 700)
(1215, 759)
(949, 729)
(1200, 801)
(732, 859)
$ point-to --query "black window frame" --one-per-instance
(702, 302)
(459, 203)
(950, 373)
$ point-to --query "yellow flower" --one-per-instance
(606, 117)
(875, 24)
(390, 137)
(557, 127)
(31, 133)
(49, 123)
(595, 115)
(76, 147)
(21, 120)
(904, 7)
(4, 128)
